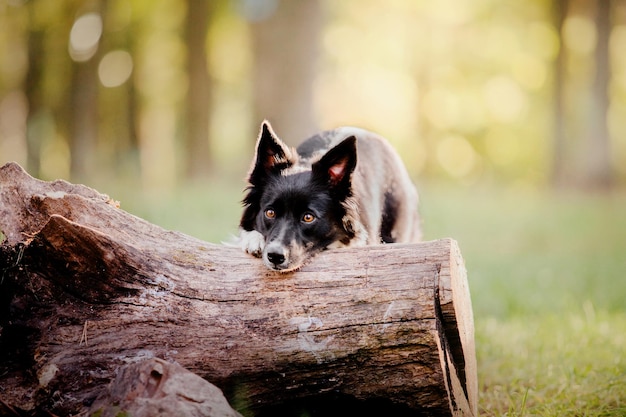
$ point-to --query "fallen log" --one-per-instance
(87, 288)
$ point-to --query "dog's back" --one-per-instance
(386, 199)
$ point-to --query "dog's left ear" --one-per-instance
(336, 166)
(272, 156)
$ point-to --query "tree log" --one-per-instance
(88, 288)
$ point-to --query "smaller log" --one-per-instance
(156, 388)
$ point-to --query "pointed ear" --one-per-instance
(272, 155)
(337, 165)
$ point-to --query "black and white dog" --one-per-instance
(342, 187)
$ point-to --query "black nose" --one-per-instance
(276, 258)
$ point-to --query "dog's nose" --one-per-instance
(276, 258)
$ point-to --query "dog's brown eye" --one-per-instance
(270, 214)
(308, 218)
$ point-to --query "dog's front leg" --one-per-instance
(252, 242)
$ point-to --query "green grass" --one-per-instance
(209, 212)
(568, 364)
(547, 277)
(533, 253)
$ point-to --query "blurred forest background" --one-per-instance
(509, 115)
(529, 93)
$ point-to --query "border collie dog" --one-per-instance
(342, 187)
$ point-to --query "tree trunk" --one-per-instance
(89, 288)
(84, 117)
(83, 110)
(33, 90)
(199, 93)
(286, 49)
(599, 173)
(560, 173)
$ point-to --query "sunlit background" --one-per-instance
(526, 93)
(509, 115)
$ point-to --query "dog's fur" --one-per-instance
(325, 194)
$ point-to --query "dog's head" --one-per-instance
(299, 212)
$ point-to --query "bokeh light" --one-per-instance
(579, 34)
(457, 156)
(84, 37)
(115, 68)
(504, 98)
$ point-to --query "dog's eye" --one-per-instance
(308, 218)
(270, 214)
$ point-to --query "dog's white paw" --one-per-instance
(252, 242)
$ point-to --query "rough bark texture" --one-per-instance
(88, 288)
(156, 388)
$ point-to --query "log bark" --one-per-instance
(156, 388)
(88, 288)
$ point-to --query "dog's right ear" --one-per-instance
(336, 166)
(272, 155)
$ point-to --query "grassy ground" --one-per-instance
(547, 276)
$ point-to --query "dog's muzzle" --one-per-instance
(276, 256)
(280, 258)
